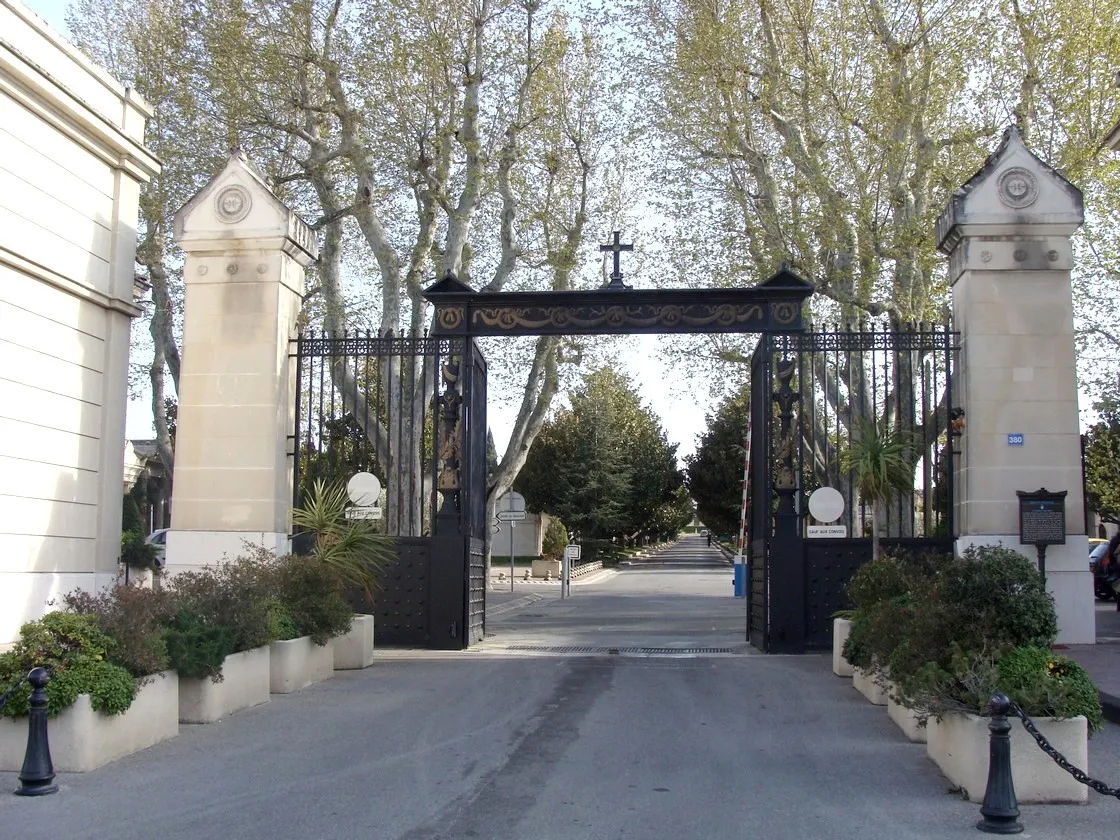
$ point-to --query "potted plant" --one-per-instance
(984, 622)
(101, 711)
(355, 553)
(311, 611)
(219, 637)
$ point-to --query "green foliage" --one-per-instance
(132, 617)
(885, 592)
(881, 460)
(715, 469)
(1046, 684)
(939, 624)
(130, 513)
(351, 549)
(311, 595)
(136, 552)
(555, 538)
(280, 622)
(73, 650)
(1000, 597)
(1042, 683)
(195, 648)
(604, 465)
(1102, 461)
(239, 595)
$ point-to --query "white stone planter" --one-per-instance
(244, 683)
(865, 683)
(354, 650)
(542, 568)
(297, 663)
(958, 745)
(841, 667)
(905, 718)
(82, 739)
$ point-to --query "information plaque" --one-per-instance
(1042, 521)
(1042, 517)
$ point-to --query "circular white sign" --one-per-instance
(363, 489)
(826, 504)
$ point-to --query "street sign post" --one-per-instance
(571, 552)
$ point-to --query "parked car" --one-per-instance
(1101, 588)
(158, 538)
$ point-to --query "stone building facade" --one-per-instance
(72, 162)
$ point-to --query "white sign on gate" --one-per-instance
(826, 531)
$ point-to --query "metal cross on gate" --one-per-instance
(617, 248)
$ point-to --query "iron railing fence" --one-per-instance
(365, 403)
(844, 378)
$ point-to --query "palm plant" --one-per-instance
(352, 548)
(881, 461)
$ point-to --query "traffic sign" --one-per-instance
(511, 515)
(511, 501)
(364, 489)
(572, 551)
(826, 504)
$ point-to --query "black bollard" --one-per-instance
(37, 776)
(1000, 808)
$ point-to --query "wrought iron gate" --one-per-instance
(412, 411)
(809, 392)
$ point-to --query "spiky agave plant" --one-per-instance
(881, 460)
(352, 548)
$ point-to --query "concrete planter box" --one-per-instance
(867, 684)
(245, 683)
(958, 745)
(82, 739)
(542, 567)
(905, 718)
(297, 663)
(841, 667)
(354, 650)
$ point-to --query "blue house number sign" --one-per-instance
(1015, 439)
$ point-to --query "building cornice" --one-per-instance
(33, 88)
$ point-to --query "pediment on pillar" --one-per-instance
(238, 206)
(1013, 193)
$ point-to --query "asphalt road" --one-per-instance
(505, 745)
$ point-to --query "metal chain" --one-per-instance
(1059, 759)
(7, 695)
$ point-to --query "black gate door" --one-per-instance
(810, 391)
(412, 411)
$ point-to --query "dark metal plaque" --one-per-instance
(1042, 517)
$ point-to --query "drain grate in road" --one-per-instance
(642, 651)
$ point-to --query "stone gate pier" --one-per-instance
(1007, 235)
(246, 255)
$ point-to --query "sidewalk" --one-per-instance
(1102, 660)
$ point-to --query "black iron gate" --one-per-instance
(810, 392)
(412, 411)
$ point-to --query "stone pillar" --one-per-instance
(1007, 234)
(243, 278)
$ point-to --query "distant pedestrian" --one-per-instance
(709, 539)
